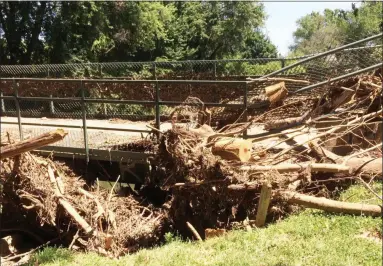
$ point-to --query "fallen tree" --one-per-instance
(367, 165)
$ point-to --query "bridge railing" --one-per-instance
(156, 89)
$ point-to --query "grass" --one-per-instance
(311, 237)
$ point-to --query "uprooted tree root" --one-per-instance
(115, 224)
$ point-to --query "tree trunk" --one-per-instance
(331, 205)
(366, 165)
(293, 167)
(32, 144)
(35, 33)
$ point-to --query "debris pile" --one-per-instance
(214, 179)
(92, 219)
(209, 172)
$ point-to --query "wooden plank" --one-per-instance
(263, 205)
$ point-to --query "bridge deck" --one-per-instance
(112, 132)
(97, 139)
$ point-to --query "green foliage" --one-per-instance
(90, 31)
(21, 25)
(259, 46)
(213, 30)
(52, 255)
(240, 68)
(358, 193)
(170, 237)
(319, 32)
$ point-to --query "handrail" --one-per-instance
(157, 102)
(159, 81)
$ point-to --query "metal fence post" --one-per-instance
(83, 108)
(215, 69)
(154, 70)
(18, 112)
(157, 106)
(51, 105)
(245, 110)
(100, 70)
(2, 103)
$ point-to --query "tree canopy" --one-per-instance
(317, 32)
(98, 31)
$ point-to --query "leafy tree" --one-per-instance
(59, 32)
(318, 32)
(215, 30)
(21, 25)
(259, 46)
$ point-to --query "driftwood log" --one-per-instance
(279, 79)
(246, 186)
(293, 167)
(366, 165)
(194, 231)
(66, 205)
(32, 143)
(331, 205)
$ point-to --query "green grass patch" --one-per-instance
(311, 237)
(358, 193)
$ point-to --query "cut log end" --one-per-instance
(233, 149)
(276, 92)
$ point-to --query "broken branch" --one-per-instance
(32, 144)
(192, 229)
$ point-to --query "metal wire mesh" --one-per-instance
(350, 59)
(321, 70)
(199, 69)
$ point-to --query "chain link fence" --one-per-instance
(342, 62)
(199, 69)
(315, 70)
(310, 78)
(105, 98)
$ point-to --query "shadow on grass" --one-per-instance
(51, 254)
